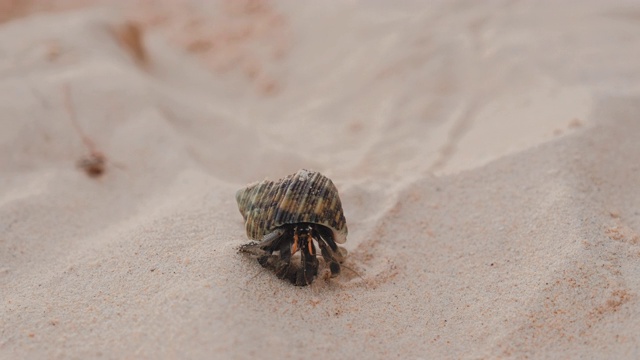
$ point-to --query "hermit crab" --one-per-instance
(287, 216)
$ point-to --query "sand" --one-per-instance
(486, 154)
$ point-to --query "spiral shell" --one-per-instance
(303, 197)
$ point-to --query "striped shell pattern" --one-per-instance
(303, 197)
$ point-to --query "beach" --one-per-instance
(487, 157)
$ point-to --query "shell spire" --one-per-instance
(304, 197)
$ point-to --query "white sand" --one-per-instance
(487, 155)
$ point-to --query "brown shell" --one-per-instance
(306, 196)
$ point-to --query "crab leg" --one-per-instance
(308, 259)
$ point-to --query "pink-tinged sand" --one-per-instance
(487, 156)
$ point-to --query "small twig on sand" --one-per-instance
(95, 163)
